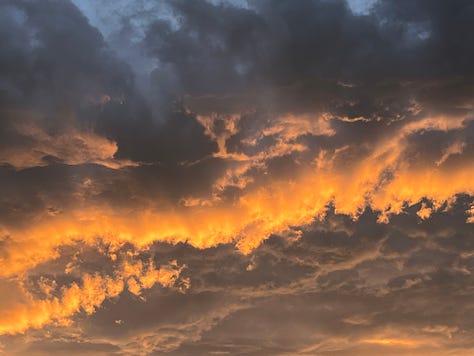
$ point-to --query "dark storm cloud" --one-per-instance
(318, 55)
(282, 56)
(57, 72)
(314, 55)
(59, 80)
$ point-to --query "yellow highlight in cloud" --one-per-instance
(382, 180)
(22, 310)
(392, 342)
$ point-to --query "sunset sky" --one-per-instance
(237, 177)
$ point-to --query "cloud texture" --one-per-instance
(226, 177)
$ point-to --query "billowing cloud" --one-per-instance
(35, 302)
(71, 147)
(184, 177)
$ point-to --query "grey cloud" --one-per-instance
(303, 50)
(57, 68)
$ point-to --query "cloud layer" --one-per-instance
(271, 177)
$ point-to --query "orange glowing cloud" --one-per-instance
(392, 342)
(260, 211)
(381, 180)
(22, 310)
(73, 147)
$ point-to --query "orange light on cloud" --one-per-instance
(260, 211)
(21, 310)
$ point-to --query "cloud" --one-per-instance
(202, 177)
(23, 310)
(71, 147)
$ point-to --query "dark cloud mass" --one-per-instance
(226, 177)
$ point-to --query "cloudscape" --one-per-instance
(237, 177)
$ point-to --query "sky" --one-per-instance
(268, 177)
